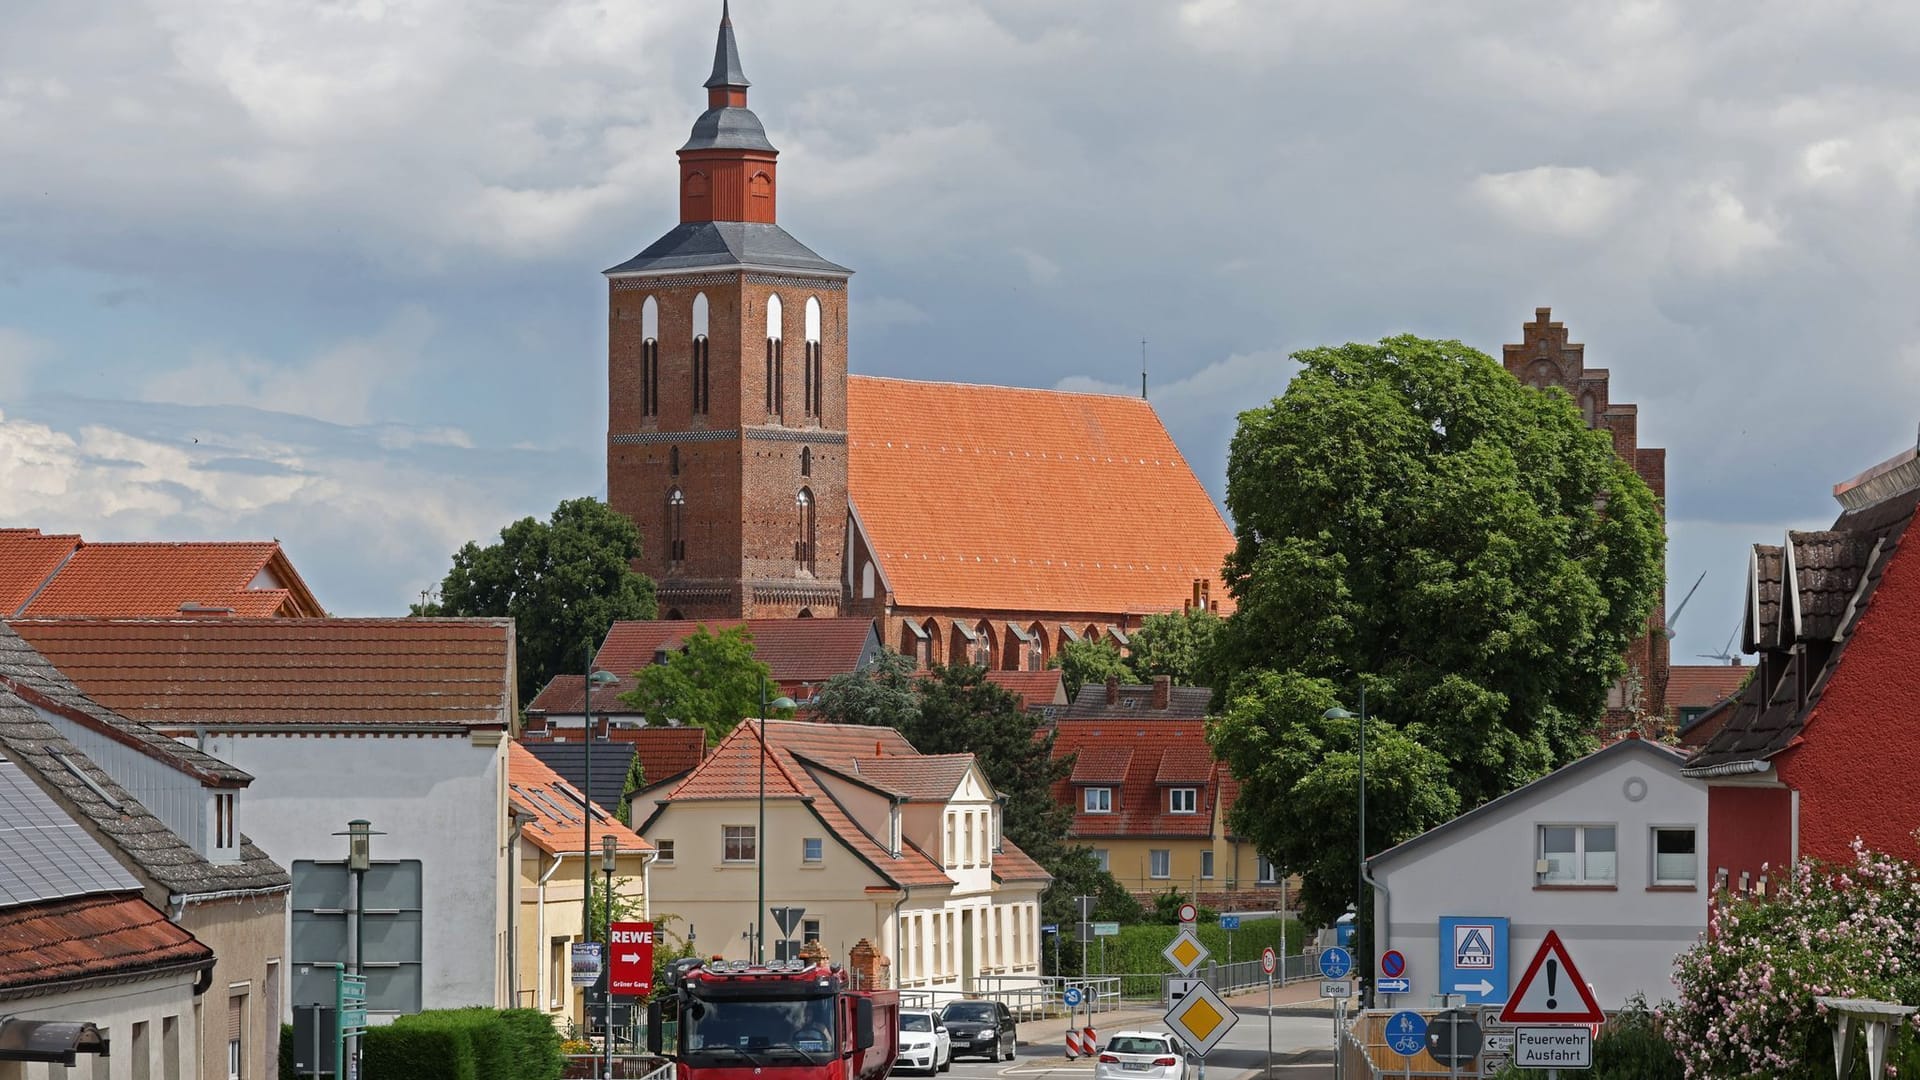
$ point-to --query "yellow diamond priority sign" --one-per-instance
(1185, 952)
(1201, 1018)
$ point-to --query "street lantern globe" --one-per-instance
(609, 850)
(1337, 713)
(359, 844)
(782, 703)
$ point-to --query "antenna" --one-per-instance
(1671, 623)
(1143, 368)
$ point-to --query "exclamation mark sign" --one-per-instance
(1553, 976)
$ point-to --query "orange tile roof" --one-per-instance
(557, 827)
(1035, 689)
(1002, 499)
(800, 653)
(174, 673)
(156, 580)
(1150, 757)
(103, 935)
(934, 777)
(1697, 686)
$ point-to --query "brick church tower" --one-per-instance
(1545, 358)
(727, 385)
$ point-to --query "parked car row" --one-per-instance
(929, 1041)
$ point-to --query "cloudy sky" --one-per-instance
(327, 270)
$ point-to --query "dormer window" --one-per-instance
(226, 832)
(1098, 800)
(1183, 800)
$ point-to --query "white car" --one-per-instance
(1142, 1055)
(924, 1042)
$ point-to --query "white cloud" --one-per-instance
(1721, 233)
(1566, 201)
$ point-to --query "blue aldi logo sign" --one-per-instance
(1473, 959)
(1473, 946)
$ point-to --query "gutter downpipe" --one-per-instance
(540, 926)
(646, 884)
(1385, 926)
(896, 937)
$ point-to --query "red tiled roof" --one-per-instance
(665, 752)
(1034, 688)
(27, 560)
(91, 936)
(174, 673)
(796, 651)
(925, 458)
(1169, 748)
(1698, 686)
(934, 777)
(1012, 864)
(154, 580)
(554, 805)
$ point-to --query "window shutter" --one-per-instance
(236, 1014)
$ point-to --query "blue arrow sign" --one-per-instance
(1335, 963)
(1393, 986)
(1229, 922)
(1050, 928)
(1072, 996)
(1406, 1033)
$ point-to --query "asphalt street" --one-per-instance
(1302, 1045)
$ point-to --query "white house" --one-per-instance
(402, 722)
(1608, 850)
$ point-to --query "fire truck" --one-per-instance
(788, 1020)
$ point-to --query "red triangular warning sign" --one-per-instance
(1552, 991)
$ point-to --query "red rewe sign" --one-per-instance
(630, 959)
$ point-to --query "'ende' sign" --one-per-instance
(1553, 1048)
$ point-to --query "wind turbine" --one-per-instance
(1725, 655)
(1668, 629)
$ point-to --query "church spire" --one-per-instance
(727, 74)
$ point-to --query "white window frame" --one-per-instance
(1653, 856)
(813, 850)
(732, 834)
(1187, 795)
(1579, 854)
(1103, 858)
(1159, 863)
(1265, 873)
(1206, 865)
(663, 851)
(1101, 805)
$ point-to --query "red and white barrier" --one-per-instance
(1073, 1044)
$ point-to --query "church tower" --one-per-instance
(727, 385)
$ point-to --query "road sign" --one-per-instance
(1473, 958)
(1202, 1018)
(1050, 928)
(1106, 929)
(1406, 1033)
(1229, 922)
(1179, 988)
(585, 963)
(1335, 962)
(1185, 951)
(1393, 963)
(1188, 913)
(1453, 1038)
(1337, 989)
(1553, 1047)
(630, 966)
(1071, 997)
(1393, 986)
(1268, 961)
(1552, 991)
(787, 919)
(1499, 1042)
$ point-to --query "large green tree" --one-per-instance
(712, 681)
(563, 582)
(1177, 644)
(1409, 515)
(1088, 661)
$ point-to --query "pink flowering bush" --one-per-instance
(1746, 1006)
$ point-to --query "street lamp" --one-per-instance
(609, 851)
(595, 680)
(760, 834)
(359, 836)
(1360, 868)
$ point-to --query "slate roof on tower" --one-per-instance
(692, 245)
(1004, 499)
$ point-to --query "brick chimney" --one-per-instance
(1113, 689)
(1162, 691)
(813, 952)
(866, 967)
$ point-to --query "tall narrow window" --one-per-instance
(806, 461)
(803, 544)
(676, 523)
(812, 361)
(650, 358)
(776, 375)
(673, 460)
(698, 369)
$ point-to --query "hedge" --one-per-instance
(464, 1044)
(1137, 949)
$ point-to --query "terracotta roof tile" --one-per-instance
(89, 936)
(1012, 864)
(922, 457)
(159, 580)
(1185, 765)
(1035, 689)
(27, 561)
(796, 651)
(933, 777)
(1136, 703)
(1176, 749)
(1698, 686)
(554, 805)
(173, 673)
(1101, 764)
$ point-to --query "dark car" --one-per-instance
(980, 1029)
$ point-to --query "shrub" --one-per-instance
(536, 1044)
(430, 1050)
(465, 1044)
(286, 1052)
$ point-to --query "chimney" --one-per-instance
(877, 753)
(1162, 691)
(1113, 689)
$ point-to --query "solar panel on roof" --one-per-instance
(44, 855)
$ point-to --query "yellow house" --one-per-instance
(553, 843)
(869, 838)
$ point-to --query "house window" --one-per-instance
(1160, 863)
(1267, 873)
(1183, 800)
(1576, 855)
(809, 930)
(676, 526)
(236, 1036)
(1098, 800)
(812, 850)
(1101, 857)
(1675, 859)
(803, 544)
(738, 843)
(952, 851)
(665, 850)
(1206, 864)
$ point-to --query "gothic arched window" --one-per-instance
(803, 543)
(676, 526)
(698, 369)
(776, 377)
(806, 461)
(814, 371)
(650, 358)
(673, 460)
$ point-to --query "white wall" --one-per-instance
(439, 799)
(1623, 939)
(115, 1009)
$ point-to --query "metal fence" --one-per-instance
(1028, 997)
(1364, 1053)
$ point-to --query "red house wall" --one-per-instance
(1857, 759)
(1748, 828)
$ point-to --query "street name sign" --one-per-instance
(1553, 1048)
(1551, 992)
(1336, 988)
(1185, 951)
(1393, 986)
(1335, 962)
(1106, 929)
(1202, 1018)
(630, 965)
(1499, 1042)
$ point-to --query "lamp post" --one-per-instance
(359, 836)
(609, 850)
(1360, 867)
(595, 680)
(760, 834)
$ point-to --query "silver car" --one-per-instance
(1142, 1055)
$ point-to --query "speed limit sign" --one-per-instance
(1267, 960)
